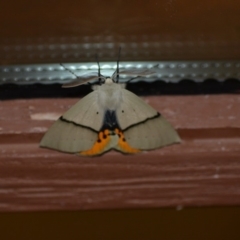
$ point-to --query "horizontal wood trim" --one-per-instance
(204, 170)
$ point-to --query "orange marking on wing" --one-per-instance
(99, 145)
(123, 145)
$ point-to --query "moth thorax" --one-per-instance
(109, 96)
(108, 81)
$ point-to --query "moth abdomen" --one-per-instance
(110, 120)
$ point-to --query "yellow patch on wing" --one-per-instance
(123, 145)
(100, 145)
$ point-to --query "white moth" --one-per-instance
(109, 118)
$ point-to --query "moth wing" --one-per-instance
(67, 137)
(133, 110)
(86, 112)
(77, 130)
(143, 127)
(152, 134)
(90, 77)
(78, 82)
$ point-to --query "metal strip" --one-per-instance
(168, 71)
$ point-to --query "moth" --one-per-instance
(109, 118)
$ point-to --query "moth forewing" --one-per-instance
(68, 137)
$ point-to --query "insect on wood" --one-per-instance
(109, 118)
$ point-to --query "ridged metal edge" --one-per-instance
(169, 71)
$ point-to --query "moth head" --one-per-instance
(108, 80)
(94, 78)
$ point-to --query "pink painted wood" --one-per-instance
(204, 170)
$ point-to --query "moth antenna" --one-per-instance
(99, 70)
(67, 69)
(119, 53)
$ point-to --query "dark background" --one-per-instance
(189, 223)
(53, 31)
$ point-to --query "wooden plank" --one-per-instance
(202, 171)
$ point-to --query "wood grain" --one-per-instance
(204, 170)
